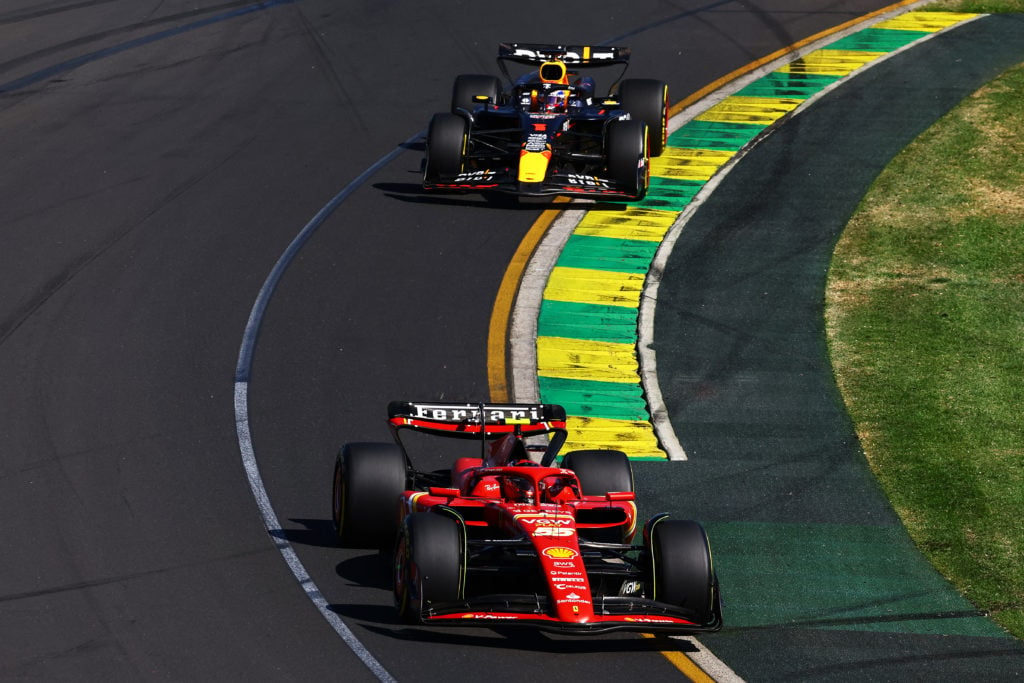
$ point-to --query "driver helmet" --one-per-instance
(556, 101)
(518, 490)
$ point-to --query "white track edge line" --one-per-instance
(285, 548)
(241, 407)
(708, 662)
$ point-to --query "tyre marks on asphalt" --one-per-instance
(232, 10)
(590, 340)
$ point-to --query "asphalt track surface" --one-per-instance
(158, 159)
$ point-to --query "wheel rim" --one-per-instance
(401, 588)
(338, 506)
(645, 155)
(408, 591)
(664, 119)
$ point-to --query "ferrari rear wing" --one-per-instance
(573, 55)
(472, 420)
(483, 422)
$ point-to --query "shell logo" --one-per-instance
(560, 553)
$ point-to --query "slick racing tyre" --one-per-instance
(369, 479)
(647, 100)
(446, 145)
(682, 573)
(428, 564)
(626, 147)
(600, 471)
(469, 86)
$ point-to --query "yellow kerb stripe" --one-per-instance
(585, 286)
(831, 62)
(643, 225)
(924, 21)
(635, 438)
(690, 164)
(587, 360)
(758, 110)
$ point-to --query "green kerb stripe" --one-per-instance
(877, 40)
(587, 398)
(670, 194)
(606, 253)
(594, 322)
(794, 85)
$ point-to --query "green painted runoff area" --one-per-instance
(836, 577)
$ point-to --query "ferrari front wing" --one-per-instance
(610, 614)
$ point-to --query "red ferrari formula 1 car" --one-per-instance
(548, 131)
(504, 534)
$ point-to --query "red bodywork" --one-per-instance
(524, 560)
(484, 499)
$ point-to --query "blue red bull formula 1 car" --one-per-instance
(508, 533)
(549, 131)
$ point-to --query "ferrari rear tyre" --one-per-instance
(469, 86)
(428, 564)
(369, 479)
(446, 145)
(600, 471)
(682, 572)
(647, 100)
(627, 156)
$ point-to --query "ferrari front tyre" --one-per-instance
(446, 145)
(682, 573)
(428, 564)
(600, 471)
(647, 100)
(626, 147)
(469, 86)
(369, 479)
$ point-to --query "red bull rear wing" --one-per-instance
(575, 55)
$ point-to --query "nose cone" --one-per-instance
(554, 537)
(533, 166)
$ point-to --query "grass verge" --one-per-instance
(925, 317)
(977, 6)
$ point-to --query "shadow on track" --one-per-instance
(372, 569)
(318, 533)
(525, 639)
(413, 193)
